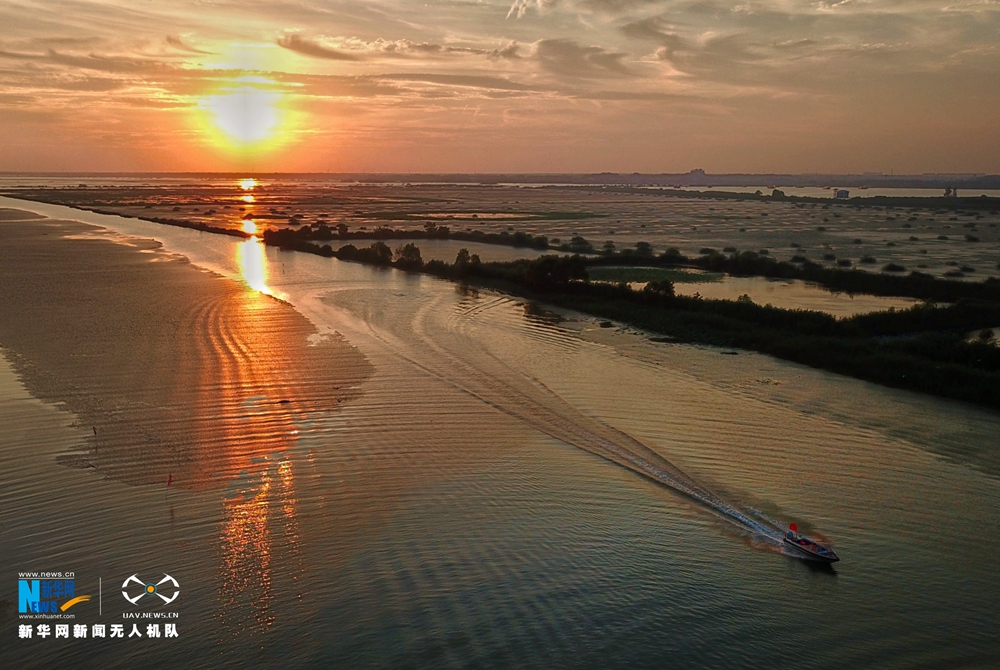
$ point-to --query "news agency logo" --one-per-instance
(134, 589)
(50, 593)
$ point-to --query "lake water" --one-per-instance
(792, 294)
(464, 509)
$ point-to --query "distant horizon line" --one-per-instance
(690, 173)
(950, 181)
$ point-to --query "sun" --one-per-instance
(248, 184)
(246, 116)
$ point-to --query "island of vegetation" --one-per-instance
(924, 348)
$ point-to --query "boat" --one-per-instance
(811, 548)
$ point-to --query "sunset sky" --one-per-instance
(489, 86)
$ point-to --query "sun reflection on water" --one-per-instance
(252, 262)
(254, 536)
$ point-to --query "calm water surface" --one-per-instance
(792, 294)
(459, 512)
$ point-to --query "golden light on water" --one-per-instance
(248, 185)
(252, 263)
(250, 227)
(255, 536)
(249, 199)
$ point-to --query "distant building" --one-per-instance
(841, 194)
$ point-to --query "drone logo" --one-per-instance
(151, 589)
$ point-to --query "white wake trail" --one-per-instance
(456, 357)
